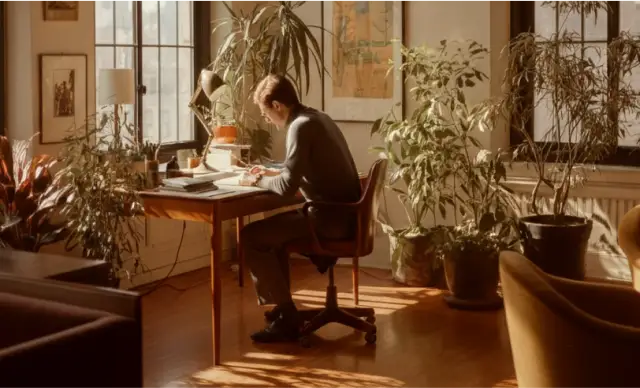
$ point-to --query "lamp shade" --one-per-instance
(210, 82)
(116, 86)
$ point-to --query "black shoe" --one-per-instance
(272, 315)
(280, 330)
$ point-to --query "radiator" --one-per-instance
(604, 259)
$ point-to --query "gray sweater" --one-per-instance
(318, 161)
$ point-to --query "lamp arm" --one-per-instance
(196, 111)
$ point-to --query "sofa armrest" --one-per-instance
(104, 352)
(614, 303)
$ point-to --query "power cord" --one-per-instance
(162, 282)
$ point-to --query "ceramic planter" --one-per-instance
(558, 245)
(472, 277)
(413, 262)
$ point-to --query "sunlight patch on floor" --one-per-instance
(401, 291)
(506, 383)
(383, 305)
(247, 374)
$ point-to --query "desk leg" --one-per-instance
(240, 254)
(216, 252)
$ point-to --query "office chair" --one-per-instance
(360, 245)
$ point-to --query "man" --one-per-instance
(319, 164)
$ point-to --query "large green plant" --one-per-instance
(97, 194)
(439, 163)
(587, 90)
(269, 39)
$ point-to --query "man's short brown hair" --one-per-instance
(275, 88)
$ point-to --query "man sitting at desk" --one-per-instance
(319, 164)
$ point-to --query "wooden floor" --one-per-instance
(421, 342)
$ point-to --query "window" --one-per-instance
(623, 16)
(165, 43)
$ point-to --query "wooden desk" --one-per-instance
(215, 210)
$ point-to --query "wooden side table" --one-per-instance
(56, 267)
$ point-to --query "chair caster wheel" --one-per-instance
(371, 337)
(305, 341)
(371, 319)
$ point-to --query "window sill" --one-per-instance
(619, 182)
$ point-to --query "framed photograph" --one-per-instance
(60, 10)
(63, 95)
(360, 40)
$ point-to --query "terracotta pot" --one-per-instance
(225, 134)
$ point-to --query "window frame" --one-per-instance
(201, 58)
(522, 19)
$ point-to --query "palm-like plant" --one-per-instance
(269, 39)
(26, 224)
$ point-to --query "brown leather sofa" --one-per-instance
(62, 334)
(567, 333)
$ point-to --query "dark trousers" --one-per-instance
(264, 245)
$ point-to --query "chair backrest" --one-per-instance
(566, 333)
(369, 205)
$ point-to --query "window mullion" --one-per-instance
(138, 66)
(177, 122)
(159, 78)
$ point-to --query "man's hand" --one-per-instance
(248, 179)
(262, 170)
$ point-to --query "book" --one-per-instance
(189, 184)
(190, 189)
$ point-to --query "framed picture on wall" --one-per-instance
(360, 40)
(63, 95)
(60, 10)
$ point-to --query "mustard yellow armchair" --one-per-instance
(629, 242)
(567, 333)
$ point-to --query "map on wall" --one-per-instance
(365, 36)
(362, 49)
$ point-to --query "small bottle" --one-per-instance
(173, 168)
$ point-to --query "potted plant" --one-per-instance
(471, 249)
(24, 225)
(421, 162)
(585, 91)
(447, 172)
(97, 194)
(269, 39)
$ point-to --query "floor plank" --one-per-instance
(421, 342)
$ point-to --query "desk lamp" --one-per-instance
(117, 87)
(208, 82)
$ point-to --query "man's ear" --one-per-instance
(275, 105)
